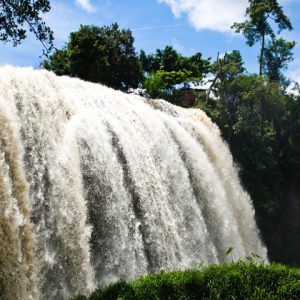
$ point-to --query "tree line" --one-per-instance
(257, 117)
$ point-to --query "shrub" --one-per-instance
(239, 280)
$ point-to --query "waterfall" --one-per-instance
(97, 185)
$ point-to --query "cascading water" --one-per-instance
(97, 185)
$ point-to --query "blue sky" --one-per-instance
(188, 25)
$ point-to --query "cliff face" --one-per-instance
(287, 230)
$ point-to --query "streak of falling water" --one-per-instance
(97, 185)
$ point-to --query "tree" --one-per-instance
(248, 113)
(162, 84)
(14, 14)
(99, 54)
(277, 55)
(58, 62)
(168, 74)
(258, 27)
(225, 70)
(168, 60)
(290, 136)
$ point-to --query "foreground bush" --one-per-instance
(231, 281)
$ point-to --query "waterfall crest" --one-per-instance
(97, 185)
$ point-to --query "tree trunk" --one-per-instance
(218, 73)
(261, 59)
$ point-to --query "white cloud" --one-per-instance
(217, 15)
(85, 5)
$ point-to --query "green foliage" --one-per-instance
(114, 291)
(290, 137)
(162, 84)
(167, 72)
(261, 125)
(277, 55)
(169, 60)
(225, 70)
(99, 54)
(248, 113)
(260, 12)
(258, 26)
(231, 281)
(230, 66)
(14, 14)
(58, 62)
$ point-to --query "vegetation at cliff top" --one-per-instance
(239, 280)
(99, 54)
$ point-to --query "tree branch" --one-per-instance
(30, 25)
(216, 76)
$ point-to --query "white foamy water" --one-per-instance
(97, 185)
